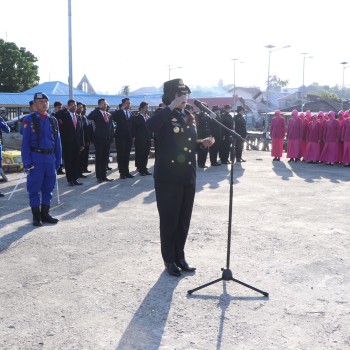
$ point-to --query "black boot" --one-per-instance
(36, 216)
(45, 216)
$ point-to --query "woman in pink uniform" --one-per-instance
(306, 120)
(321, 120)
(278, 132)
(313, 137)
(345, 137)
(331, 139)
(341, 143)
(294, 135)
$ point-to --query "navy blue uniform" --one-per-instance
(44, 153)
(175, 178)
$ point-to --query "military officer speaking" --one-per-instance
(42, 156)
(175, 173)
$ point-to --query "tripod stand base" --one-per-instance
(227, 276)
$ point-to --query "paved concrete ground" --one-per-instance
(96, 279)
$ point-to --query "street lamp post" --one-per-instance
(70, 76)
(271, 49)
(343, 86)
(234, 83)
(172, 68)
(303, 87)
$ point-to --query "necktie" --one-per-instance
(127, 115)
(105, 117)
(74, 120)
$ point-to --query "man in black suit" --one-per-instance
(241, 129)
(102, 137)
(84, 156)
(142, 137)
(72, 140)
(57, 106)
(80, 120)
(123, 137)
(226, 139)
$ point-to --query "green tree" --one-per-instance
(18, 71)
(330, 96)
(275, 83)
(125, 90)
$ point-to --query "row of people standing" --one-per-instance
(124, 128)
(221, 149)
(313, 137)
(101, 128)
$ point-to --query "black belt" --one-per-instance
(40, 150)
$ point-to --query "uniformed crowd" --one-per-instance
(220, 152)
(63, 140)
(181, 139)
(64, 137)
(312, 137)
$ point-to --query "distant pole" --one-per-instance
(171, 68)
(70, 77)
(303, 87)
(343, 85)
(271, 49)
(234, 83)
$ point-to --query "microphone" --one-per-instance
(205, 109)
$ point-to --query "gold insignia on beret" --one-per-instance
(176, 129)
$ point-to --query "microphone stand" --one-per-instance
(226, 272)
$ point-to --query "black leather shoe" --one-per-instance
(71, 183)
(215, 164)
(122, 176)
(87, 171)
(173, 269)
(107, 179)
(143, 174)
(183, 265)
(242, 160)
(99, 181)
(109, 168)
(129, 176)
(76, 182)
(60, 172)
(2, 195)
(147, 172)
(82, 176)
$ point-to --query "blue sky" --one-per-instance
(118, 43)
